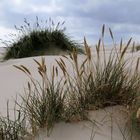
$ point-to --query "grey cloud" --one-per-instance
(83, 17)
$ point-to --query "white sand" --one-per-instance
(13, 81)
(100, 129)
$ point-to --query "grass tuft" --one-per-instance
(13, 128)
(43, 103)
(39, 40)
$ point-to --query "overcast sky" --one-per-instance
(83, 17)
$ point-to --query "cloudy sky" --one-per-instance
(83, 17)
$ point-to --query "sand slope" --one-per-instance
(13, 81)
(102, 127)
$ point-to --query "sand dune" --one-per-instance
(13, 81)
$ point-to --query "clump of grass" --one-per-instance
(137, 47)
(135, 115)
(15, 128)
(74, 88)
(43, 102)
(136, 121)
(39, 39)
(100, 82)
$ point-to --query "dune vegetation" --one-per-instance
(41, 38)
(96, 83)
(137, 47)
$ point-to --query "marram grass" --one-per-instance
(43, 102)
(41, 39)
(13, 128)
(95, 83)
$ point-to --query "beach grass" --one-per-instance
(43, 103)
(39, 39)
(13, 128)
(94, 83)
(138, 48)
(98, 82)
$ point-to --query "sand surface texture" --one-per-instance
(106, 121)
